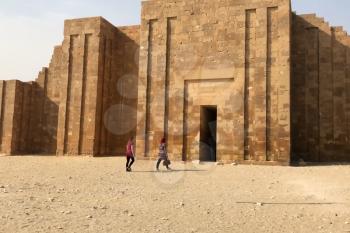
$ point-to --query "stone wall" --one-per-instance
(81, 55)
(278, 83)
(81, 103)
(101, 62)
(44, 108)
(120, 90)
(231, 54)
(14, 118)
(321, 90)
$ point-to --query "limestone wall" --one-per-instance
(14, 118)
(99, 57)
(276, 79)
(23, 110)
(118, 121)
(321, 90)
(45, 102)
(78, 87)
(232, 54)
(8, 123)
(80, 104)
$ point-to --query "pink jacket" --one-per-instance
(130, 149)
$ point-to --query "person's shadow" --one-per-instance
(172, 171)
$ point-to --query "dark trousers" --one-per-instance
(129, 161)
(159, 161)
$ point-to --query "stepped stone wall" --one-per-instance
(276, 84)
(72, 107)
(321, 90)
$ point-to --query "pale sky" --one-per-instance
(31, 28)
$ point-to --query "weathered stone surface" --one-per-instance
(216, 53)
(276, 84)
(320, 90)
(64, 110)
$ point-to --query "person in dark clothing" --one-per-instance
(163, 155)
(130, 154)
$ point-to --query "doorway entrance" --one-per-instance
(208, 126)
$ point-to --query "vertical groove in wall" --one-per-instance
(83, 92)
(185, 122)
(298, 88)
(325, 91)
(307, 93)
(246, 91)
(318, 136)
(102, 94)
(42, 110)
(347, 91)
(149, 85)
(270, 62)
(312, 93)
(100, 85)
(106, 149)
(249, 47)
(28, 133)
(69, 87)
(305, 121)
(170, 29)
(332, 77)
(14, 119)
(19, 144)
(3, 107)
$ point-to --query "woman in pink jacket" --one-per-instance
(130, 154)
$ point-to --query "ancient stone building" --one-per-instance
(320, 109)
(92, 73)
(223, 80)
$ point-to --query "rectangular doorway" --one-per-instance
(208, 126)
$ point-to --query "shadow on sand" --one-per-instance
(172, 171)
(314, 164)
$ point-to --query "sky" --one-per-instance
(29, 29)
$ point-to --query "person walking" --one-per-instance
(163, 155)
(130, 154)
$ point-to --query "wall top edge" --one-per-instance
(313, 16)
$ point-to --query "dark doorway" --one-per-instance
(208, 133)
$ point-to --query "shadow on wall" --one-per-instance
(84, 103)
(28, 122)
(121, 93)
(44, 122)
(320, 91)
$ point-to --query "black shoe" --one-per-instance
(128, 169)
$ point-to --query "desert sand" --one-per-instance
(81, 194)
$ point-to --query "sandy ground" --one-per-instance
(50, 194)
